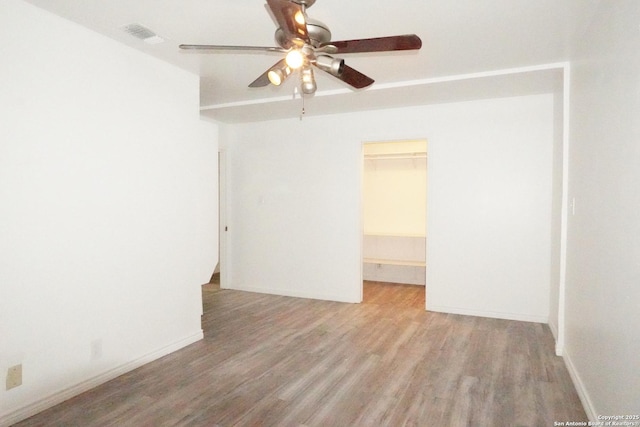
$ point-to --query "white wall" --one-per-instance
(394, 194)
(488, 250)
(295, 203)
(293, 209)
(108, 214)
(603, 273)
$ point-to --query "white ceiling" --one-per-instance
(466, 44)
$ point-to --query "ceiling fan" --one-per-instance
(307, 42)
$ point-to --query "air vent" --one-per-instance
(143, 33)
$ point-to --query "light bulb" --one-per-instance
(294, 59)
(275, 77)
(278, 74)
(299, 17)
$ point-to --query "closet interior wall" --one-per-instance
(394, 200)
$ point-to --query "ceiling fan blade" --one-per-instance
(378, 44)
(354, 78)
(290, 17)
(263, 80)
(212, 47)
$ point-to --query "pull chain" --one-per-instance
(296, 92)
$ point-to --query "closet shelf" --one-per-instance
(382, 234)
(394, 262)
(396, 156)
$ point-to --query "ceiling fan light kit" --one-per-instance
(279, 74)
(307, 81)
(295, 58)
(334, 66)
(307, 43)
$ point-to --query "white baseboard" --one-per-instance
(66, 394)
(587, 404)
(492, 314)
(295, 294)
(554, 330)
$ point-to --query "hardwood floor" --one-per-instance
(278, 361)
(394, 294)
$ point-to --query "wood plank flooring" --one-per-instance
(279, 361)
(395, 294)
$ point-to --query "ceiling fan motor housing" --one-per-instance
(305, 3)
(317, 31)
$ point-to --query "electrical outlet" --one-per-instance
(14, 377)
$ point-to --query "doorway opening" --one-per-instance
(218, 276)
(394, 200)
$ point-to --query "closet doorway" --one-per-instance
(394, 200)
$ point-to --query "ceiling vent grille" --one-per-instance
(143, 33)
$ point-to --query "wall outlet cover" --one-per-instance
(14, 377)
